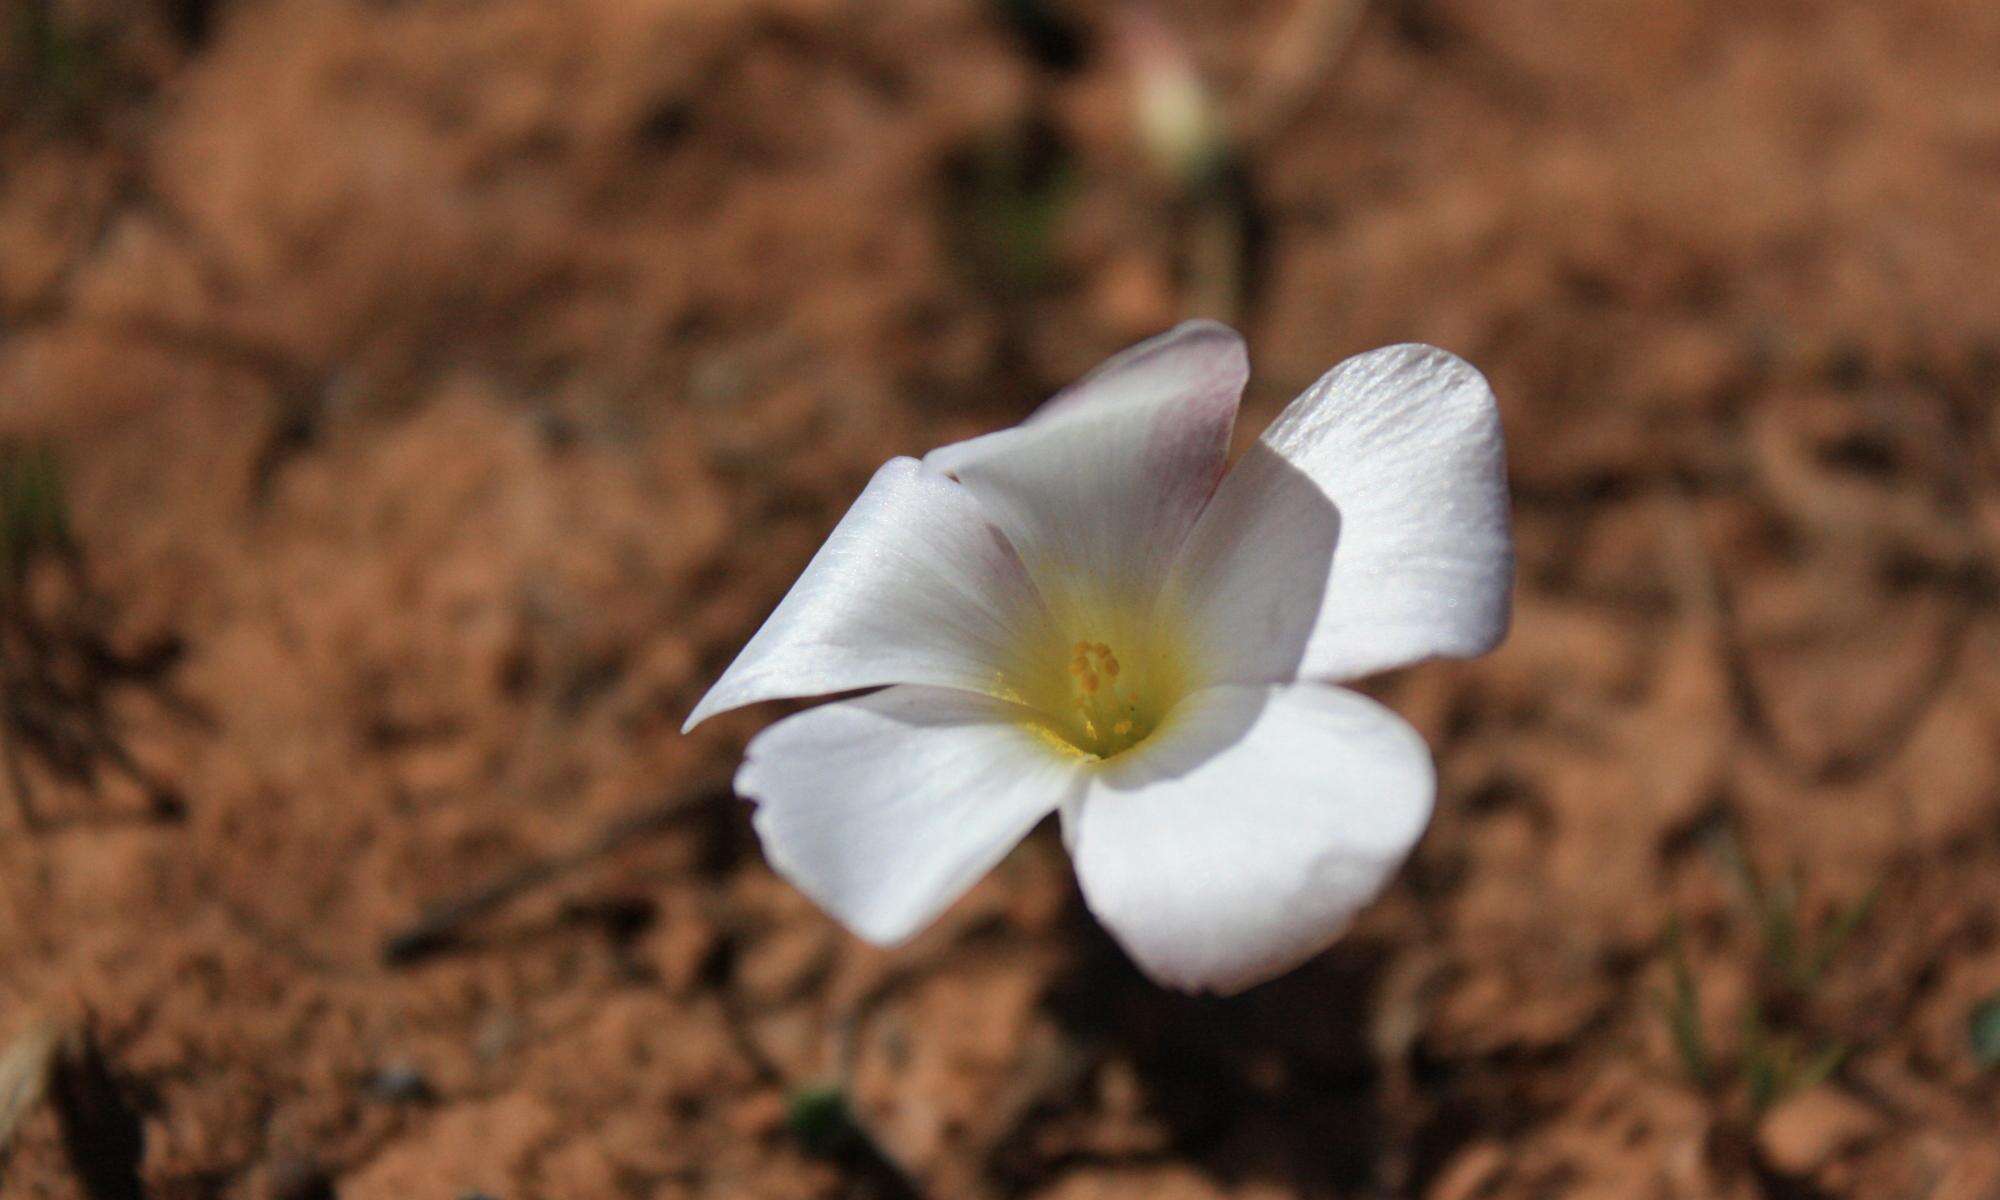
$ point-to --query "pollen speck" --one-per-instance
(1115, 703)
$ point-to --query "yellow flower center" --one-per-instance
(1110, 720)
(1110, 700)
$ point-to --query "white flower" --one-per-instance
(1085, 615)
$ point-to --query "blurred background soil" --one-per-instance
(406, 409)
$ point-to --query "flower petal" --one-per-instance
(1098, 489)
(1250, 583)
(1240, 838)
(913, 586)
(886, 808)
(1406, 443)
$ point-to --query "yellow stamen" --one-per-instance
(1115, 708)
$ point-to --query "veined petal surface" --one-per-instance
(1406, 443)
(887, 807)
(1099, 488)
(1240, 839)
(914, 586)
(1248, 589)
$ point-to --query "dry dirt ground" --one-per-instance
(444, 390)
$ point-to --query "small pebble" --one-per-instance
(1806, 1132)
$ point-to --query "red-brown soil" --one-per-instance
(445, 390)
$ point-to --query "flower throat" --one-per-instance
(1110, 720)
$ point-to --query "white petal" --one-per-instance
(1239, 839)
(1406, 442)
(886, 808)
(1098, 489)
(913, 586)
(1250, 583)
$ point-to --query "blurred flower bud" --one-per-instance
(1178, 121)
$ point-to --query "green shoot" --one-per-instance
(1799, 958)
(1763, 1071)
(1007, 196)
(1820, 1067)
(1780, 1051)
(61, 69)
(1682, 1010)
(1837, 933)
(34, 512)
(1983, 1028)
(817, 1115)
